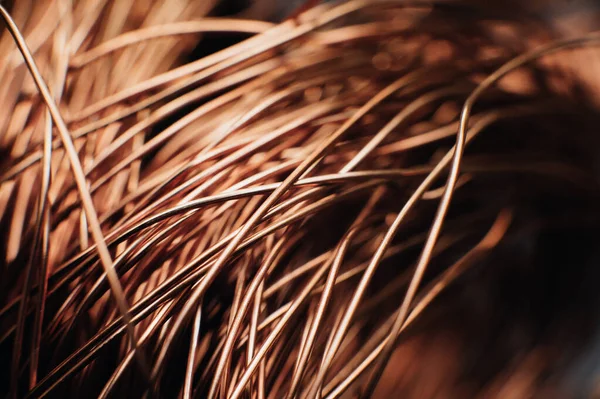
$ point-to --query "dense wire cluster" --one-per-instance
(368, 199)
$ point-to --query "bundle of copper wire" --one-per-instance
(371, 198)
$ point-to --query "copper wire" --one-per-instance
(284, 213)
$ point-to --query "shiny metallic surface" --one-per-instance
(304, 199)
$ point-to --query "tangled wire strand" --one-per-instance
(282, 218)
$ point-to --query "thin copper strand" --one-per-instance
(171, 29)
(451, 182)
(80, 179)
